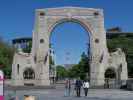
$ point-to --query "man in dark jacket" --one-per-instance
(78, 85)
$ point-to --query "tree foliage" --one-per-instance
(6, 58)
(126, 43)
(61, 72)
(81, 69)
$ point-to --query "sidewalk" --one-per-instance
(58, 94)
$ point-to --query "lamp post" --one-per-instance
(53, 63)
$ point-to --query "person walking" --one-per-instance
(74, 88)
(78, 85)
(86, 86)
(67, 87)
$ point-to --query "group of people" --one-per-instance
(78, 84)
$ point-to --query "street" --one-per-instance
(58, 94)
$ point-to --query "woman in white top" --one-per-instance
(86, 86)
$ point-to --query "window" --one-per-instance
(42, 13)
(41, 40)
(120, 68)
(35, 59)
(101, 58)
(97, 40)
(18, 68)
(96, 13)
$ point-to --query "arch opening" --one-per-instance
(77, 35)
(110, 73)
(29, 73)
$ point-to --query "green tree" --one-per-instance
(81, 69)
(74, 72)
(126, 43)
(84, 64)
(6, 58)
(61, 72)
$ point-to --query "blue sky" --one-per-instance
(69, 40)
(17, 19)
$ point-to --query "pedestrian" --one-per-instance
(78, 85)
(13, 96)
(67, 87)
(86, 86)
(74, 88)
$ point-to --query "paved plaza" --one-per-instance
(58, 94)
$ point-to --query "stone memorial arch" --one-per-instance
(92, 20)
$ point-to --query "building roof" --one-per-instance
(23, 39)
(117, 31)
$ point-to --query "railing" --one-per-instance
(112, 83)
(130, 84)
